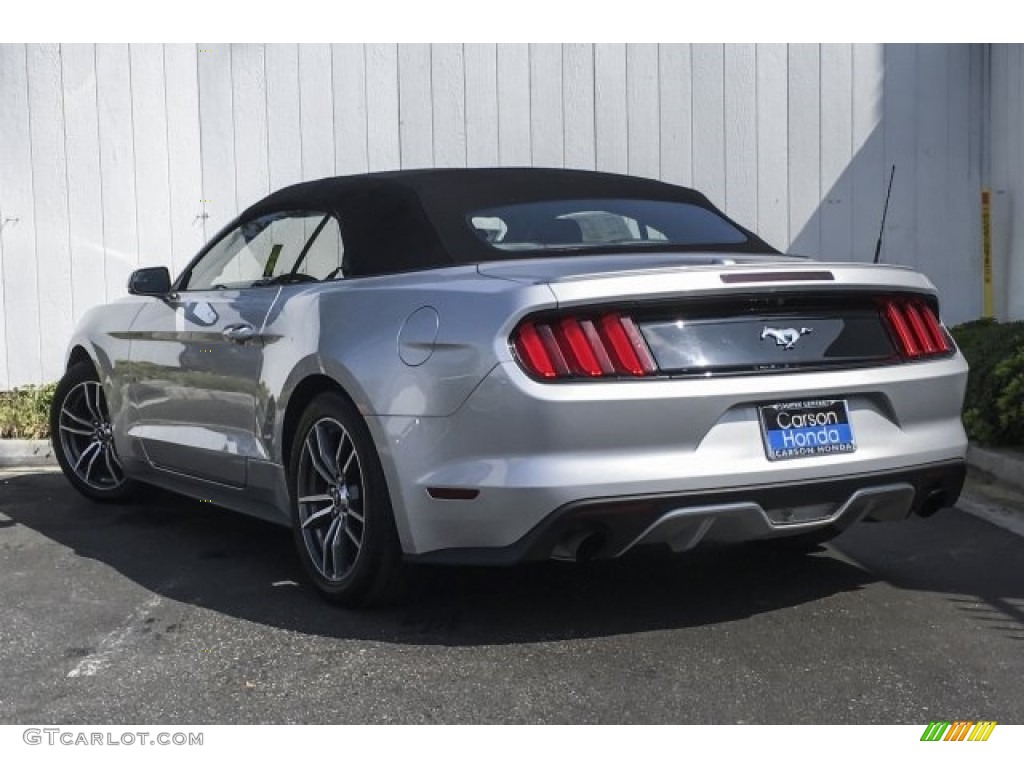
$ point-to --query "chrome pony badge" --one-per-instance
(784, 337)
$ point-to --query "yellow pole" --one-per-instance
(986, 253)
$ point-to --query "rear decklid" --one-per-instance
(711, 313)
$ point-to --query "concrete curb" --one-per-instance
(26, 453)
(1005, 466)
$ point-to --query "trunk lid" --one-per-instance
(703, 314)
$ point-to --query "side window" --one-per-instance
(323, 260)
(272, 246)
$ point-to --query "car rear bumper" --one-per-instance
(518, 453)
(611, 527)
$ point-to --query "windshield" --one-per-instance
(586, 225)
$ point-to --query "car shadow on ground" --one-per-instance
(201, 555)
(974, 563)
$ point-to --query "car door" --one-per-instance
(197, 356)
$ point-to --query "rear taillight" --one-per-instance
(915, 328)
(578, 346)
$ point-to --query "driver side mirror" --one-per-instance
(151, 281)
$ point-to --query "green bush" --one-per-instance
(994, 405)
(25, 412)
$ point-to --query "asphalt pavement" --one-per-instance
(173, 611)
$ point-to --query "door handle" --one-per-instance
(240, 332)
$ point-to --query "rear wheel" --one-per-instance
(342, 520)
(83, 437)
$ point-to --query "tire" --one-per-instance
(363, 567)
(82, 435)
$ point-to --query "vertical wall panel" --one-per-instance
(20, 287)
(1010, 198)
(932, 145)
(184, 154)
(149, 126)
(868, 174)
(85, 202)
(740, 134)
(676, 120)
(547, 139)
(804, 149)
(514, 104)
(962, 199)
(117, 166)
(383, 145)
(1011, 287)
(50, 192)
(284, 137)
(610, 106)
(773, 144)
(448, 85)
(481, 62)
(249, 117)
(349, 77)
(642, 110)
(709, 121)
(316, 107)
(899, 109)
(414, 99)
(1000, 172)
(578, 105)
(217, 134)
(836, 151)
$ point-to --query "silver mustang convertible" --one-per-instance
(502, 365)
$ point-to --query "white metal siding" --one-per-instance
(1007, 175)
(113, 156)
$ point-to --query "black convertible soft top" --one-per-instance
(400, 221)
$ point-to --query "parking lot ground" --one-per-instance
(172, 611)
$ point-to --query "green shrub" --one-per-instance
(25, 412)
(994, 405)
(1010, 403)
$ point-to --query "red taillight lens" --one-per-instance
(583, 347)
(915, 328)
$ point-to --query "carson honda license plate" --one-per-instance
(806, 428)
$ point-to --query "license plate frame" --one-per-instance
(800, 429)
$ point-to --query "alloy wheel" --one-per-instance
(87, 437)
(330, 493)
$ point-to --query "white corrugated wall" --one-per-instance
(1006, 161)
(115, 156)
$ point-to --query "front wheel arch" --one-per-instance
(78, 355)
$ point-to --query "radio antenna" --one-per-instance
(885, 211)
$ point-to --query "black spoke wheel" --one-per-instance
(83, 436)
(341, 510)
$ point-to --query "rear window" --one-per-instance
(586, 225)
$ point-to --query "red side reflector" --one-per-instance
(453, 494)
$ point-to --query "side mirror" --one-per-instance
(151, 281)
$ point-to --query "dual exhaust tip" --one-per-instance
(933, 502)
(589, 544)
